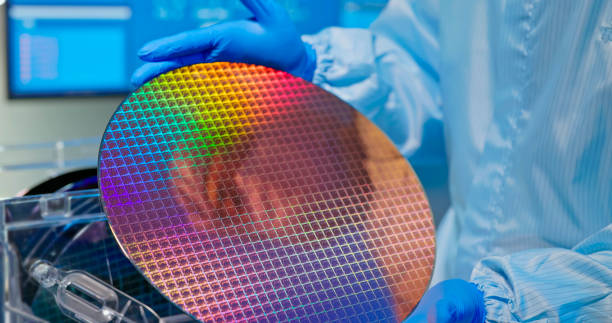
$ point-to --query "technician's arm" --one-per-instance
(389, 71)
(550, 284)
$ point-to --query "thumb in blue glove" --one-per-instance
(452, 300)
(269, 39)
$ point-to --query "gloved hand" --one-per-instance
(452, 300)
(268, 39)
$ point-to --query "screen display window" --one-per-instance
(63, 48)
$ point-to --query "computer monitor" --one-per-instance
(71, 47)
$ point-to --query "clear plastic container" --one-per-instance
(61, 263)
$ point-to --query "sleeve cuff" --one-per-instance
(497, 294)
(324, 61)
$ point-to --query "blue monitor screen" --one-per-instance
(58, 48)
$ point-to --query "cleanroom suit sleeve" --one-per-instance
(550, 284)
(389, 72)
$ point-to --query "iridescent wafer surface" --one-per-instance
(246, 194)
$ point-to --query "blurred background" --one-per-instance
(66, 67)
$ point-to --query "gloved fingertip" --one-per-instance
(147, 51)
(142, 54)
(137, 79)
(134, 84)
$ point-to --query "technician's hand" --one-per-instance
(269, 39)
(452, 300)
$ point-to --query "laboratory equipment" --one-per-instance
(60, 263)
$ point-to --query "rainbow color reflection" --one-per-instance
(246, 194)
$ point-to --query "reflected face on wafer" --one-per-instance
(244, 193)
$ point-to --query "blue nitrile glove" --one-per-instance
(452, 300)
(269, 39)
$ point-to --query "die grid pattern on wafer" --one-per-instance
(244, 193)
